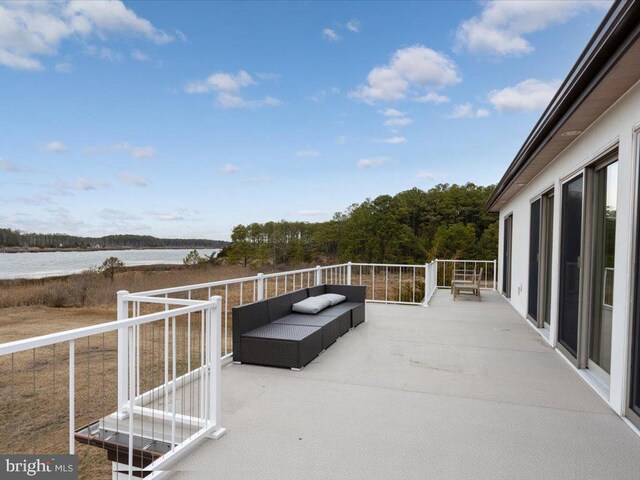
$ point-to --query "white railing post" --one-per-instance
(260, 294)
(215, 368)
(72, 397)
(349, 273)
(495, 271)
(318, 275)
(123, 356)
(427, 287)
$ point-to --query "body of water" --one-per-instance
(50, 264)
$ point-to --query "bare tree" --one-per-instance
(111, 266)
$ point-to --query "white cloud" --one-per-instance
(392, 112)
(64, 67)
(139, 153)
(353, 26)
(392, 140)
(372, 162)
(341, 140)
(8, 166)
(311, 213)
(30, 30)
(131, 179)
(501, 27)
(410, 69)
(56, 146)
(467, 110)
(432, 97)
(221, 82)
(331, 35)
(228, 86)
(228, 169)
(139, 56)
(398, 122)
(529, 94)
(307, 153)
(82, 183)
(424, 175)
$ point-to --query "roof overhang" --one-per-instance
(607, 68)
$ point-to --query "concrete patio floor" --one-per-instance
(460, 390)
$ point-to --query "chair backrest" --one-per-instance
(478, 277)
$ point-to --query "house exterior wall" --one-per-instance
(617, 126)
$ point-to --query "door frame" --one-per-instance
(545, 269)
(590, 259)
(534, 321)
(507, 266)
(561, 348)
(634, 310)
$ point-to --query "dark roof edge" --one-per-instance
(614, 36)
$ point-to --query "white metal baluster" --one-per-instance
(226, 321)
(414, 286)
(241, 296)
(189, 338)
(286, 287)
(136, 307)
(72, 396)
(173, 381)
(166, 357)
(386, 284)
(373, 281)
(276, 293)
(400, 280)
(202, 364)
(360, 277)
(132, 389)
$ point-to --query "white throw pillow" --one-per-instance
(311, 305)
(334, 298)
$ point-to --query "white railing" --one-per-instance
(466, 269)
(155, 371)
(432, 281)
(152, 407)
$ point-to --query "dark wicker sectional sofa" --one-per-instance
(269, 333)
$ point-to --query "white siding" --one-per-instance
(616, 126)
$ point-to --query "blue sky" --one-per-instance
(186, 118)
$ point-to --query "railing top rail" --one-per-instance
(231, 281)
(403, 265)
(83, 332)
(468, 261)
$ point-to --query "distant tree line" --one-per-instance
(414, 226)
(16, 238)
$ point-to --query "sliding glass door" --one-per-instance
(570, 258)
(546, 256)
(534, 261)
(540, 254)
(506, 256)
(603, 263)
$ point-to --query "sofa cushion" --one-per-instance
(334, 298)
(311, 305)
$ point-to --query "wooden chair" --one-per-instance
(471, 286)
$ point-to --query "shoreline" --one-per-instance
(94, 249)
